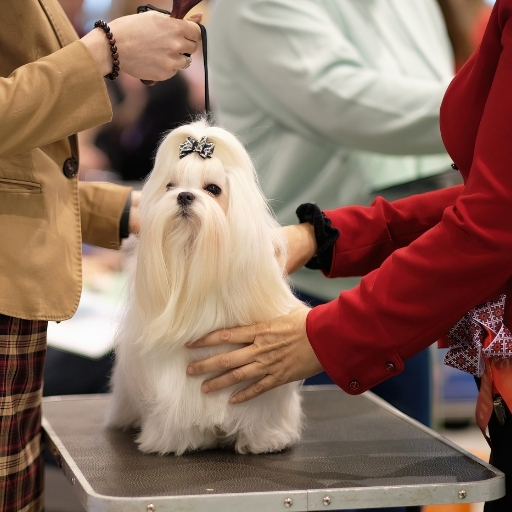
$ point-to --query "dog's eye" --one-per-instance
(169, 186)
(214, 190)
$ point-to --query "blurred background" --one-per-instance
(79, 357)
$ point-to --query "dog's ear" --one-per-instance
(256, 238)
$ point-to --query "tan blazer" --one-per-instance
(50, 89)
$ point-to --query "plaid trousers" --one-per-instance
(22, 353)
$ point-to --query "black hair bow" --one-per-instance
(203, 147)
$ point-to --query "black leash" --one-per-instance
(205, 61)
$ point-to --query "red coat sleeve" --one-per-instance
(424, 288)
(369, 234)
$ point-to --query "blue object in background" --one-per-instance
(455, 392)
(409, 391)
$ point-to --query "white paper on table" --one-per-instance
(90, 333)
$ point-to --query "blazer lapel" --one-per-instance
(59, 21)
(65, 34)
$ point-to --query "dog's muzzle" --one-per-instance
(185, 199)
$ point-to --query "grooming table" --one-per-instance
(355, 452)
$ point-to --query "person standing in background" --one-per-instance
(337, 102)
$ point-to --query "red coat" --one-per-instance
(430, 258)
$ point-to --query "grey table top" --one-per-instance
(356, 452)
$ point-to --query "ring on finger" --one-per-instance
(188, 59)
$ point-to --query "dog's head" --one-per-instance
(205, 225)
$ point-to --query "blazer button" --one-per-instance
(390, 367)
(354, 385)
(70, 168)
(454, 167)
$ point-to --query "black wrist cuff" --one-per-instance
(124, 224)
(325, 235)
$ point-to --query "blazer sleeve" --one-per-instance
(51, 99)
(341, 99)
(421, 290)
(101, 207)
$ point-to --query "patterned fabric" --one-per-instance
(22, 353)
(203, 147)
(467, 338)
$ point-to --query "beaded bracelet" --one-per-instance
(113, 48)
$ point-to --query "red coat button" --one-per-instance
(354, 385)
(390, 367)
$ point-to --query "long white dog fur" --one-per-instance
(209, 256)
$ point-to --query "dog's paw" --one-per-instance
(266, 442)
(178, 441)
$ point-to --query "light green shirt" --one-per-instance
(328, 98)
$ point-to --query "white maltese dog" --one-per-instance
(209, 256)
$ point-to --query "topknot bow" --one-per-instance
(203, 147)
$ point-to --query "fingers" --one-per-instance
(188, 61)
(237, 335)
(238, 375)
(134, 220)
(151, 45)
(192, 32)
(196, 18)
(136, 197)
(226, 361)
(186, 46)
(258, 388)
(277, 352)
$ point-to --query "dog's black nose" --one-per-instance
(185, 198)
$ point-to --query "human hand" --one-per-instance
(301, 245)
(278, 352)
(134, 222)
(151, 45)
